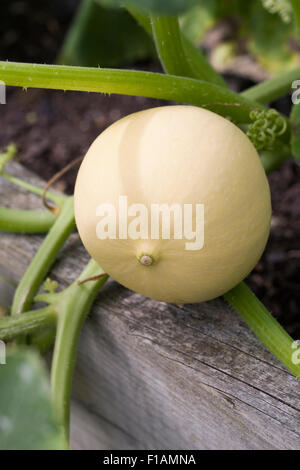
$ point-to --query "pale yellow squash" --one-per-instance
(177, 155)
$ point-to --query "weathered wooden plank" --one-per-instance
(152, 375)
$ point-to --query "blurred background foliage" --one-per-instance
(254, 39)
(262, 28)
(226, 30)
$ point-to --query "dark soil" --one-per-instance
(52, 128)
(33, 31)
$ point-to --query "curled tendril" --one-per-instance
(267, 125)
(282, 7)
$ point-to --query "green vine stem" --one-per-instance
(74, 303)
(130, 82)
(59, 200)
(25, 221)
(263, 325)
(29, 322)
(9, 154)
(169, 46)
(200, 66)
(274, 88)
(45, 256)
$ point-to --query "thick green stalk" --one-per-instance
(26, 221)
(169, 46)
(29, 322)
(129, 82)
(44, 258)
(74, 305)
(202, 69)
(263, 325)
(274, 88)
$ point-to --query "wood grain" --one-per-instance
(151, 375)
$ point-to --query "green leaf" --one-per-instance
(197, 21)
(282, 7)
(106, 37)
(26, 414)
(160, 7)
(254, 27)
(295, 136)
(269, 40)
